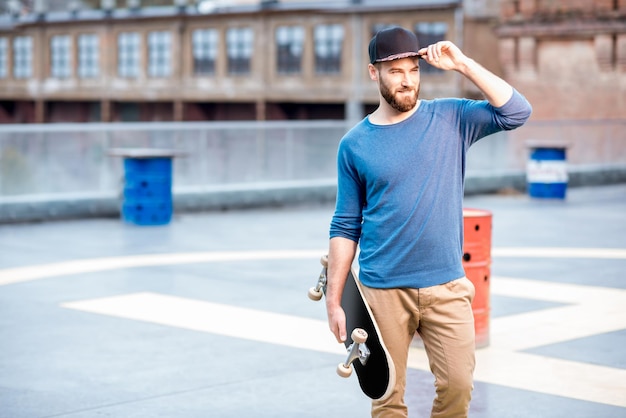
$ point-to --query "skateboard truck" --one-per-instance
(315, 293)
(356, 351)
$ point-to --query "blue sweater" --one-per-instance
(400, 189)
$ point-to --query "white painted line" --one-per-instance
(592, 311)
(552, 291)
(499, 363)
(551, 326)
(547, 375)
(66, 268)
(549, 252)
(218, 319)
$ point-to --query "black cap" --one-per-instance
(393, 43)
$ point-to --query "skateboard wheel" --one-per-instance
(359, 335)
(324, 260)
(315, 294)
(343, 370)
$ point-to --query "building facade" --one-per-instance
(280, 60)
(568, 56)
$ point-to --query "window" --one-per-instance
(4, 50)
(159, 54)
(328, 46)
(128, 50)
(239, 50)
(204, 43)
(88, 56)
(289, 44)
(22, 56)
(61, 56)
(429, 33)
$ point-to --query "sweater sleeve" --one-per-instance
(479, 118)
(348, 215)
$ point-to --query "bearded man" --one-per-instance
(400, 198)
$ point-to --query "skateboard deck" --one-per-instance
(366, 350)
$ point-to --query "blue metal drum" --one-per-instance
(546, 173)
(147, 191)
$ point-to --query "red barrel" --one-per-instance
(477, 265)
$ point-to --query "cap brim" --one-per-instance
(399, 56)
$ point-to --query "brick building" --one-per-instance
(568, 56)
(190, 60)
(207, 60)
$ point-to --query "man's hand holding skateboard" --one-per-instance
(340, 257)
(348, 310)
(336, 321)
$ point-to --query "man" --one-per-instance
(400, 196)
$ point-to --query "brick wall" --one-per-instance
(567, 56)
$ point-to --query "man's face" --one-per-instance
(399, 83)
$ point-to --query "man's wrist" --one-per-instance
(332, 301)
(467, 67)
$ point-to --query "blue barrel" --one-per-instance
(147, 191)
(546, 173)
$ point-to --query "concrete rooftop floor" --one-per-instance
(208, 316)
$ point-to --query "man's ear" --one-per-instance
(373, 72)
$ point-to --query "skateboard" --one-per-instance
(367, 353)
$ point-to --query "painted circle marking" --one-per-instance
(72, 267)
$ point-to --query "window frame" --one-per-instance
(204, 51)
(88, 55)
(289, 43)
(4, 57)
(159, 53)
(323, 35)
(22, 57)
(61, 46)
(129, 54)
(240, 41)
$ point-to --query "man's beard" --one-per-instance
(401, 105)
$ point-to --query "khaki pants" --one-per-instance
(442, 315)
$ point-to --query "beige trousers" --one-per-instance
(442, 315)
